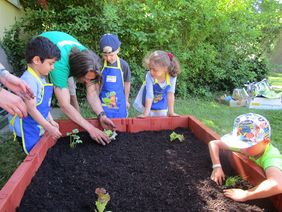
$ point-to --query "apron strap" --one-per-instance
(12, 123)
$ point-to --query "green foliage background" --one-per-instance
(220, 44)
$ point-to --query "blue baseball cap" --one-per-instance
(109, 43)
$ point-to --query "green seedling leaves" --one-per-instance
(173, 136)
(74, 138)
(103, 199)
(111, 134)
(231, 181)
(75, 131)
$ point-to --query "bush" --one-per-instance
(220, 44)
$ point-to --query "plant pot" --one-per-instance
(12, 193)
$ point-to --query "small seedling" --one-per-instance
(231, 181)
(74, 138)
(103, 199)
(173, 136)
(111, 134)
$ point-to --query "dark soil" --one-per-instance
(142, 172)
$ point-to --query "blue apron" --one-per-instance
(112, 92)
(31, 131)
(160, 95)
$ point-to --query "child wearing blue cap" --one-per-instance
(251, 137)
(116, 76)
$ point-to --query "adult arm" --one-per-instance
(63, 97)
(74, 102)
(15, 84)
(72, 90)
(12, 103)
(95, 103)
(269, 187)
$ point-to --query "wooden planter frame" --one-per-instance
(13, 191)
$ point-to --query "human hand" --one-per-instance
(53, 131)
(127, 105)
(142, 116)
(12, 104)
(173, 114)
(107, 123)
(218, 175)
(238, 195)
(53, 123)
(18, 86)
(99, 136)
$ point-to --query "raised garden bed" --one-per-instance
(167, 154)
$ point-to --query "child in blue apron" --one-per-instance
(116, 75)
(156, 96)
(41, 54)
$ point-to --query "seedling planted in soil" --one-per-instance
(111, 134)
(232, 181)
(173, 136)
(74, 138)
(103, 199)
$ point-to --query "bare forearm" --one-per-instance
(127, 90)
(75, 116)
(265, 189)
(63, 97)
(148, 105)
(214, 152)
(170, 102)
(37, 116)
(74, 102)
(93, 99)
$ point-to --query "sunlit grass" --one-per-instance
(275, 79)
(220, 117)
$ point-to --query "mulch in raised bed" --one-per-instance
(141, 171)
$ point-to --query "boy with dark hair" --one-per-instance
(41, 54)
(251, 137)
(116, 75)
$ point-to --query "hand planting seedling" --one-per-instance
(231, 181)
(173, 136)
(111, 134)
(74, 138)
(103, 199)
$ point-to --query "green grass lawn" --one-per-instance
(275, 78)
(218, 117)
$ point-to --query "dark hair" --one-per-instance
(82, 62)
(163, 59)
(43, 48)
